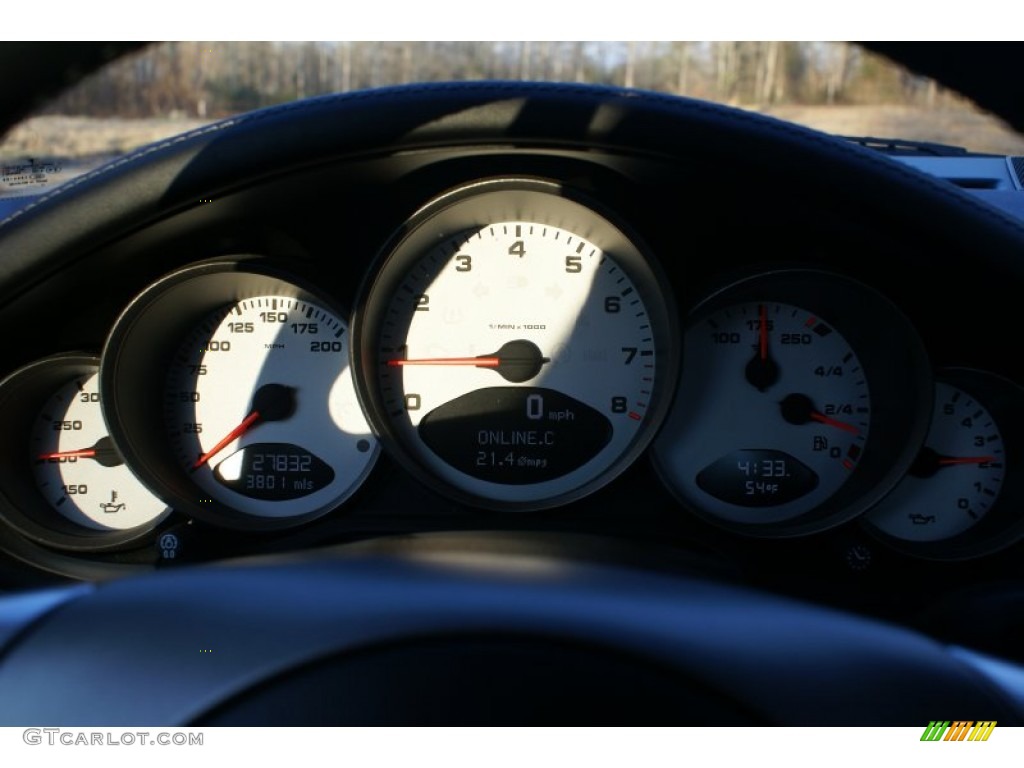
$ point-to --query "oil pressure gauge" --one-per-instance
(800, 403)
(962, 494)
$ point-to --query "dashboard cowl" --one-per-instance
(176, 174)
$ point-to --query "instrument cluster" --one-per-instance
(515, 347)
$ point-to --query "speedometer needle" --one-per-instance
(516, 361)
(272, 402)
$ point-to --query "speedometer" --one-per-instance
(516, 349)
(227, 387)
(257, 402)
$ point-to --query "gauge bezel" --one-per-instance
(526, 199)
(135, 364)
(22, 396)
(895, 366)
(1003, 525)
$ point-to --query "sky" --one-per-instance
(503, 20)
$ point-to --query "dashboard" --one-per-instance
(744, 360)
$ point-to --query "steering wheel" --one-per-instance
(470, 628)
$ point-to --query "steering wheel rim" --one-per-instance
(171, 647)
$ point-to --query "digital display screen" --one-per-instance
(757, 477)
(273, 472)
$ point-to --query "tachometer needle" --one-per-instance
(272, 402)
(479, 362)
(516, 361)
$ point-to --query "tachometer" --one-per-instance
(804, 396)
(516, 349)
(228, 387)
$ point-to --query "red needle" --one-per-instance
(764, 333)
(85, 453)
(966, 460)
(237, 432)
(479, 362)
(823, 419)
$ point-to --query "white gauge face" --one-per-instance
(261, 409)
(77, 468)
(956, 478)
(517, 362)
(771, 415)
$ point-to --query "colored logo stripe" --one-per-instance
(935, 730)
(982, 730)
(959, 730)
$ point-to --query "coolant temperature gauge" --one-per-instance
(77, 468)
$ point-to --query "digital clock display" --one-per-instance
(757, 477)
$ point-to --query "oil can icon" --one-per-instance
(112, 506)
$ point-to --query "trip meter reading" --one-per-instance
(787, 403)
(515, 361)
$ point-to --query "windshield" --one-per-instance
(168, 88)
